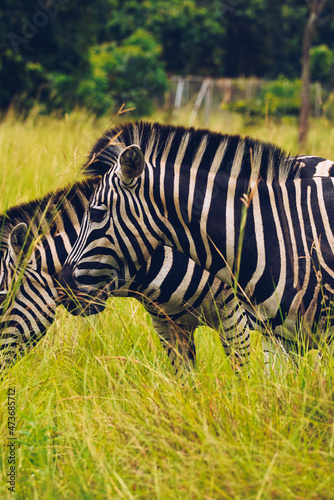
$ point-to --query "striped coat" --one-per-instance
(236, 206)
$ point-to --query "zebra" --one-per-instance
(35, 239)
(238, 207)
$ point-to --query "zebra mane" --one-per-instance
(269, 161)
(46, 215)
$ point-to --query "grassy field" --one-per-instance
(99, 413)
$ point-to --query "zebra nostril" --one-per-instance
(66, 278)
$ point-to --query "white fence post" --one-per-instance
(178, 95)
(199, 100)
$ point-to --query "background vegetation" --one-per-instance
(60, 54)
(99, 413)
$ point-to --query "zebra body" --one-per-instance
(235, 206)
(180, 296)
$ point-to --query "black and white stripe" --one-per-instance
(191, 189)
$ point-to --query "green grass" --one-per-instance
(99, 413)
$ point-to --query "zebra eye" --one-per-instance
(98, 213)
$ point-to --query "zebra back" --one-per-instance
(154, 138)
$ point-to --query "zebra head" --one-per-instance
(14, 252)
(35, 239)
(27, 294)
(97, 265)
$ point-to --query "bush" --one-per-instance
(130, 73)
(282, 97)
(277, 98)
(322, 64)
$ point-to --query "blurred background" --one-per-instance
(259, 59)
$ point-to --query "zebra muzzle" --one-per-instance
(66, 278)
(76, 302)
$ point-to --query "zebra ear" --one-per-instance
(131, 163)
(19, 239)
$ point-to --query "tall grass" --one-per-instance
(43, 153)
(99, 413)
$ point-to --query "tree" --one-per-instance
(66, 53)
(322, 64)
(127, 72)
(315, 9)
(190, 32)
(39, 38)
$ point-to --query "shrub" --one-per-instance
(130, 73)
(282, 97)
(322, 64)
(277, 98)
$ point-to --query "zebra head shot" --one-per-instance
(190, 189)
(14, 256)
(35, 239)
(118, 235)
(22, 282)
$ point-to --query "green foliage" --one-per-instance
(39, 42)
(54, 52)
(282, 97)
(277, 98)
(129, 73)
(191, 34)
(322, 64)
(328, 107)
(90, 93)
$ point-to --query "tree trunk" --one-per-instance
(316, 7)
(305, 97)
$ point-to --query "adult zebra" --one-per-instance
(235, 206)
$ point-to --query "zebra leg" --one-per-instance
(235, 339)
(178, 343)
(234, 329)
